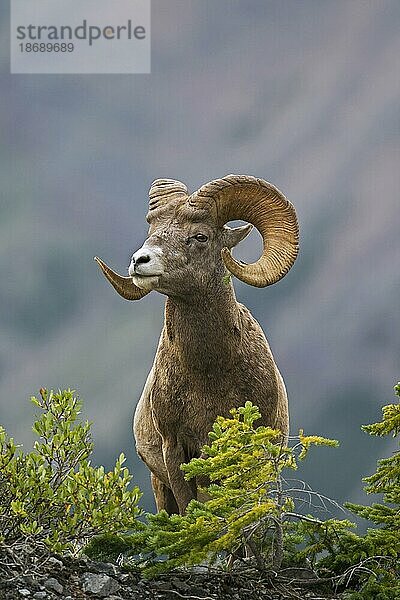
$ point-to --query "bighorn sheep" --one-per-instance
(212, 354)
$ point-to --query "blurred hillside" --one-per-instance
(304, 94)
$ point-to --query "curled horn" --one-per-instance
(123, 285)
(260, 203)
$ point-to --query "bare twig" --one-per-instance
(190, 597)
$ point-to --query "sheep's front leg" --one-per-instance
(174, 455)
(163, 496)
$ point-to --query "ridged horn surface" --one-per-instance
(123, 285)
(163, 192)
(247, 198)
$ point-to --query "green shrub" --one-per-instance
(52, 494)
(246, 507)
(252, 503)
(386, 481)
(381, 544)
(369, 564)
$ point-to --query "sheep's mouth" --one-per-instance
(146, 282)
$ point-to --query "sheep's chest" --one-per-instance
(188, 406)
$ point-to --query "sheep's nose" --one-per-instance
(141, 259)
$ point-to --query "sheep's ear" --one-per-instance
(234, 235)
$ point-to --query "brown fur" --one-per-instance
(212, 356)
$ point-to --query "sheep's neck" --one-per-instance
(204, 332)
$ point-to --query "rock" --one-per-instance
(53, 585)
(197, 591)
(161, 585)
(100, 584)
(200, 569)
(101, 567)
(181, 585)
(56, 562)
(26, 582)
(40, 595)
(24, 592)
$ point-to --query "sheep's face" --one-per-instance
(182, 255)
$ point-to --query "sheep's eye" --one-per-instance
(200, 237)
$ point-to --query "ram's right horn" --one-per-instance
(123, 285)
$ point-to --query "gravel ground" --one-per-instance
(84, 579)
